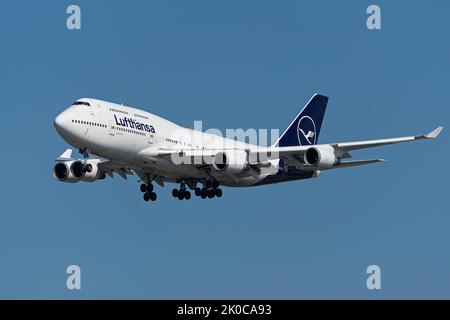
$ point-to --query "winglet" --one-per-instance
(434, 134)
(67, 155)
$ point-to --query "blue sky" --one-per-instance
(232, 64)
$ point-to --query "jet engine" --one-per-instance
(78, 170)
(61, 172)
(233, 161)
(321, 157)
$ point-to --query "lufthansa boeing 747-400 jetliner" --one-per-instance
(132, 141)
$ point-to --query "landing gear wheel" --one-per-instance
(211, 193)
(149, 187)
(198, 192)
(153, 196)
(85, 152)
(143, 187)
(187, 195)
(218, 193)
(175, 193)
(146, 196)
(204, 193)
(208, 184)
(180, 195)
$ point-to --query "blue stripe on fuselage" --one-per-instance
(286, 173)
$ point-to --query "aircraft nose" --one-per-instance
(60, 122)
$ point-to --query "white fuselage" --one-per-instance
(135, 141)
(127, 135)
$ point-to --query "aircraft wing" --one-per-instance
(347, 146)
(295, 154)
(109, 167)
(292, 155)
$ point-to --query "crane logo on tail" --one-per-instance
(306, 131)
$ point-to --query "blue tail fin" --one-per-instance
(305, 128)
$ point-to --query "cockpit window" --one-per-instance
(80, 103)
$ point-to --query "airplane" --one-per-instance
(127, 141)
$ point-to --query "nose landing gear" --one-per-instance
(85, 152)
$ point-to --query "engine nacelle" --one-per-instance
(77, 170)
(321, 157)
(234, 161)
(87, 171)
(61, 172)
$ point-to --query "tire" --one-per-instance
(175, 193)
(218, 193)
(180, 195)
(146, 197)
(187, 195)
(143, 187)
(208, 184)
(211, 193)
(204, 193)
(153, 196)
(198, 192)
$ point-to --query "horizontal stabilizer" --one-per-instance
(355, 163)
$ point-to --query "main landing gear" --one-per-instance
(181, 193)
(210, 189)
(147, 189)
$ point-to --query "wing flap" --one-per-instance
(111, 166)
